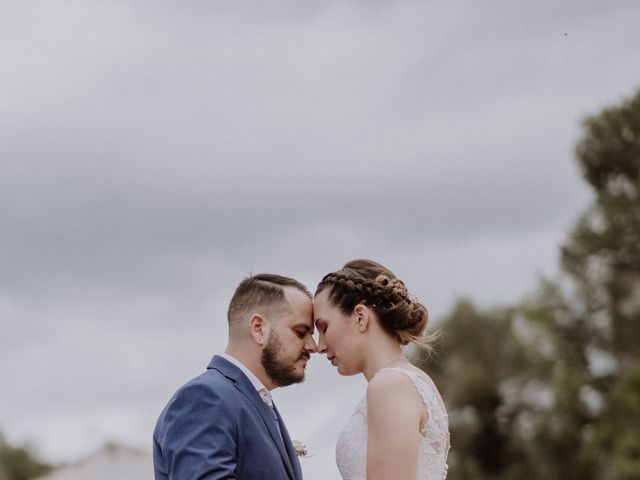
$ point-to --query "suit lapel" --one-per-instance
(291, 451)
(243, 384)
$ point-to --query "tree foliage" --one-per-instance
(602, 261)
(20, 463)
(550, 387)
(486, 373)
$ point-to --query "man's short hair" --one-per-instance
(261, 290)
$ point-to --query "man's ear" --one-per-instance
(258, 328)
(362, 314)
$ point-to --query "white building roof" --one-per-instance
(113, 462)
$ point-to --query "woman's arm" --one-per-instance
(395, 413)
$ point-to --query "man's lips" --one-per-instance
(305, 357)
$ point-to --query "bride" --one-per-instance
(399, 430)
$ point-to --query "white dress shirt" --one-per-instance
(264, 393)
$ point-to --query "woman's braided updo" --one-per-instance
(369, 283)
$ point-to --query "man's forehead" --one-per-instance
(293, 294)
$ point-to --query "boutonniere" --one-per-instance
(301, 449)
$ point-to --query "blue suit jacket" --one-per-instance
(217, 427)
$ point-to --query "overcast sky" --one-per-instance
(154, 153)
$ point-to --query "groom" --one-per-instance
(223, 424)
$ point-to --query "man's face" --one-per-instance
(290, 342)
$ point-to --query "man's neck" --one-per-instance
(252, 364)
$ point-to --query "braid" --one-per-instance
(381, 292)
(368, 282)
(384, 294)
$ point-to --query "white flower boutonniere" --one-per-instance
(301, 449)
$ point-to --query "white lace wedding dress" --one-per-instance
(351, 449)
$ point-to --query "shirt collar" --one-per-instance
(257, 384)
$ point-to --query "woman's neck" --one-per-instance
(386, 354)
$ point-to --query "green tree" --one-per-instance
(603, 252)
(550, 388)
(602, 259)
(486, 372)
(563, 429)
(20, 463)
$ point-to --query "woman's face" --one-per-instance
(339, 337)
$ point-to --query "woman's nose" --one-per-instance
(322, 348)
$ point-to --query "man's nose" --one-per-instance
(311, 345)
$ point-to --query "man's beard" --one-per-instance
(281, 373)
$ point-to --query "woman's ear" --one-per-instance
(257, 328)
(362, 314)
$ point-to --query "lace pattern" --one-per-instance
(351, 448)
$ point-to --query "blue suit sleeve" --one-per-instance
(199, 436)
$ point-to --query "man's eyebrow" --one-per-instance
(304, 326)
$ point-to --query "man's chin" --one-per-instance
(290, 381)
(296, 375)
(301, 375)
